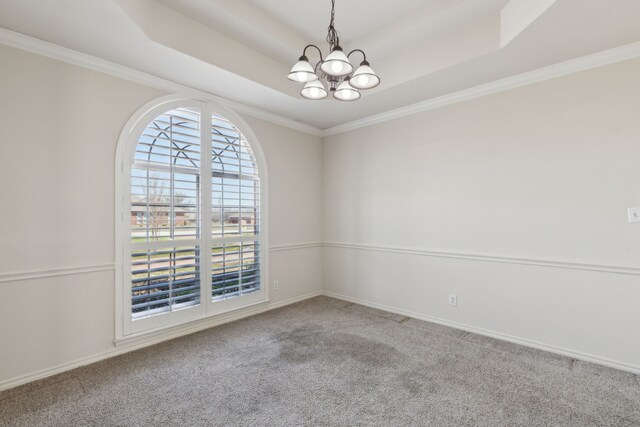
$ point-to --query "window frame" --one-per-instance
(125, 326)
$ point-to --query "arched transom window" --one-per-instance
(194, 227)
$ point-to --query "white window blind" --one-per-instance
(194, 242)
(235, 213)
(165, 212)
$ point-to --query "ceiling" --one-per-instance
(243, 49)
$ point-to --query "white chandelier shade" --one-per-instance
(337, 64)
(314, 90)
(364, 77)
(345, 92)
(302, 71)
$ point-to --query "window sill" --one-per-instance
(141, 339)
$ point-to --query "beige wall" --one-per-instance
(295, 208)
(60, 125)
(543, 172)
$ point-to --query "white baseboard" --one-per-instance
(504, 337)
(189, 329)
(182, 330)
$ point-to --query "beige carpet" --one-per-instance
(325, 362)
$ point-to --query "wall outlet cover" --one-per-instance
(453, 299)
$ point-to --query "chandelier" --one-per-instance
(335, 72)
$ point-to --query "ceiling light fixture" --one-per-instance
(334, 72)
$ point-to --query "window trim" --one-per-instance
(125, 150)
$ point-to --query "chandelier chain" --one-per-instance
(332, 34)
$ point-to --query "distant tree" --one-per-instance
(158, 202)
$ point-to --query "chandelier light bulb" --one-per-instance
(302, 71)
(361, 80)
(364, 77)
(345, 92)
(348, 95)
(314, 90)
(337, 64)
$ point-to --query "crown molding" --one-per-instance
(271, 117)
(599, 59)
(60, 53)
(70, 56)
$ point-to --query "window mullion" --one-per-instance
(206, 207)
(171, 182)
(240, 211)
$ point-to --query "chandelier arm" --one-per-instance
(304, 52)
(365, 62)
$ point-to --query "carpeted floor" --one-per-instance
(325, 362)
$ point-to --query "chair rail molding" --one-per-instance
(617, 269)
(294, 246)
(109, 266)
(55, 272)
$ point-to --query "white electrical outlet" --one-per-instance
(453, 299)
(634, 214)
(275, 285)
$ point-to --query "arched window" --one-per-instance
(191, 217)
